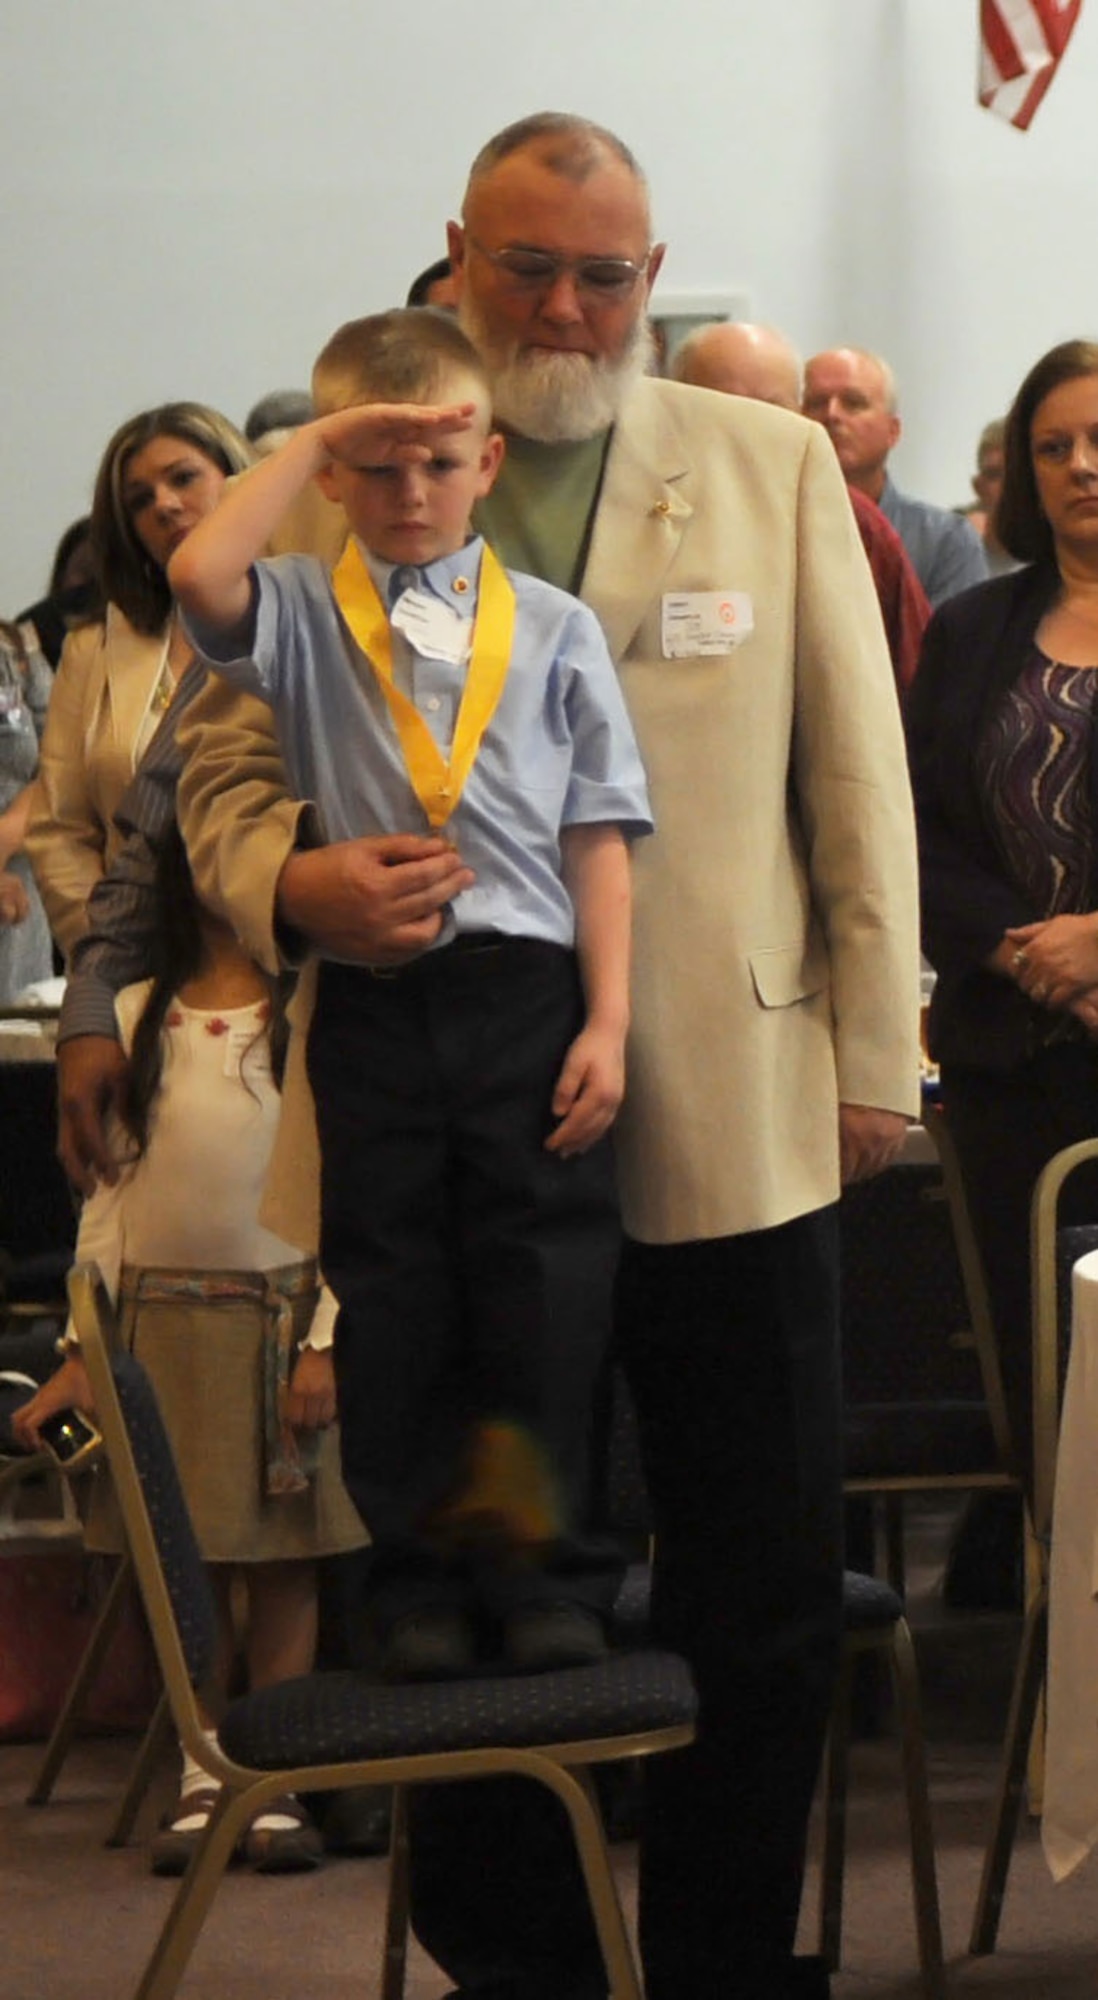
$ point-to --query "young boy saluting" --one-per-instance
(468, 1217)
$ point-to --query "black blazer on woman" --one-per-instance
(975, 647)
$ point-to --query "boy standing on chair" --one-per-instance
(469, 1223)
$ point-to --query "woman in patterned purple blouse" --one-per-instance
(1001, 736)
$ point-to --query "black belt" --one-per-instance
(467, 944)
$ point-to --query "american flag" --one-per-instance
(1021, 42)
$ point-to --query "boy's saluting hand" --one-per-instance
(391, 432)
(210, 572)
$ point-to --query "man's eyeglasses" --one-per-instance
(537, 270)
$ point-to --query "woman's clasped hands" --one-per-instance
(1056, 964)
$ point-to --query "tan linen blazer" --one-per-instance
(776, 935)
(100, 697)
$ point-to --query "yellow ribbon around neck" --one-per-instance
(438, 785)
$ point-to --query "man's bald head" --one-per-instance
(739, 359)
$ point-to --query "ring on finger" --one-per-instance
(1019, 958)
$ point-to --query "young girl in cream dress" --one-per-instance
(228, 1320)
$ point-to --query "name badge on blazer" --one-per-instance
(706, 622)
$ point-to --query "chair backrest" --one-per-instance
(170, 1572)
(1053, 1253)
(973, 1278)
(922, 1391)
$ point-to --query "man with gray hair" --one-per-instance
(738, 359)
(773, 1048)
(852, 393)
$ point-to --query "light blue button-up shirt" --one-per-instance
(559, 750)
(945, 549)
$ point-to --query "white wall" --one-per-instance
(194, 196)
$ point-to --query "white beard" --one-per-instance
(555, 398)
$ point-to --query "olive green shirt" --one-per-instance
(538, 515)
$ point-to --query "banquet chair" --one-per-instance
(67, 1723)
(329, 1731)
(923, 1401)
(39, 1519)
(36, 1506)
(874, 1625)
(38, 1510)
(1054, 1250)
(36, 1501)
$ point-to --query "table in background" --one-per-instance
(37, 1215)
(1069, 1826)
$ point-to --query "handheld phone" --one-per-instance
(70, 1437)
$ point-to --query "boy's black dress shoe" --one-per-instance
(538, 1637)
(428, 1645)
(357, 1821)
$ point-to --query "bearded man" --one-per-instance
(773, 1050)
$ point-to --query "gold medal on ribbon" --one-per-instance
(437, 784)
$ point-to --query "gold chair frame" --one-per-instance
(895, 1643)
(71, 1712)
(562, 1767)
(892, 1489)
(1029, 1674)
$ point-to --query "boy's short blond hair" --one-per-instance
(403, 356)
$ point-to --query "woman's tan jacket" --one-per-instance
(94, 733)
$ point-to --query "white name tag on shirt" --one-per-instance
(705, 621)
(432, 627)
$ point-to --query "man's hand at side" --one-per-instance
(90, 1073)
(377, 900)
(868, 1140)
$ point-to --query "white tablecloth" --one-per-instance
(1069, 1825)
(27, 1041)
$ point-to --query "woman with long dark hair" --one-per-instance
(1001, 725)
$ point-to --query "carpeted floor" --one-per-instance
(78, 1921)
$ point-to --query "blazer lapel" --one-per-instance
(132, 659)
(642, 511)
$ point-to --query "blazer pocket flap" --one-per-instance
(785, 973)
